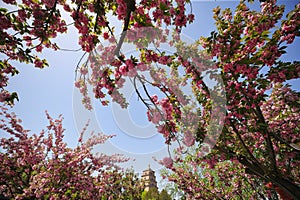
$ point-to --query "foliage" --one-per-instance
(151, 194)
(154, 194)
(226, 180)
(250, 133)
(41, 166)
(163, 195)
(173, 188)
(261, 130)
(28, 27)
(131, 187)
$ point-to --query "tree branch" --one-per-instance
(130, 8)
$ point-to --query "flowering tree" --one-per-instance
(204, 177)
(225, 180)
(33, 25)
(260, 132)
(246, 48)
(41, 166)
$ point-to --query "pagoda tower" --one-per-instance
(149, 179)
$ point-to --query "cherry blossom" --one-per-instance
(257, 138)
(42, 166)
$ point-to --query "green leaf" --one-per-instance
(4, 10)
(163, 6)
(11, 98)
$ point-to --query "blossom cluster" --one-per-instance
(225, 180)
(32, 26)
(42, 166)
(261, 129)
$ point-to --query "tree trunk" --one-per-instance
(290, 188)
(287, 186)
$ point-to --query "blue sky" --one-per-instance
(53, 89)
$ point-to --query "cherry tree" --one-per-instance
(246, 49)
(41, 166)
(28, 27)
(233, 120)
(205, 177)
(261, 130)
(225, 180)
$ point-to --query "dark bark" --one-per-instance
(289, 187)
(130, 8)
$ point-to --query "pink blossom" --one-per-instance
(188, 139)
(167, 162)
(129, 64)
(105, 35)
(123, 70)
(154, 99)
(9, 1)
(154, 116)
(142, 66)
(38, 63)
(39, 48)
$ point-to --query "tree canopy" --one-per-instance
(238, 127)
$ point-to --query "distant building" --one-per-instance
(148, 179)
